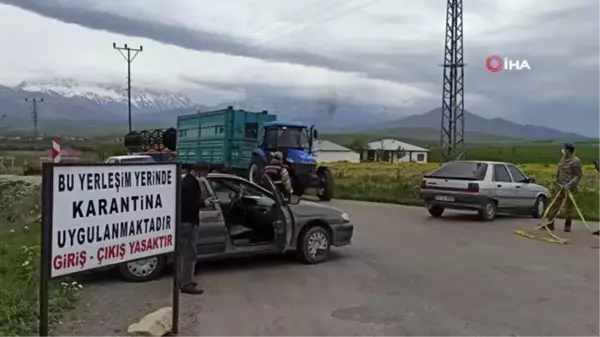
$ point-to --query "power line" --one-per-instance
(129, 58)
(317, 23)
(304, 10)
(34, 114)
(259, 44)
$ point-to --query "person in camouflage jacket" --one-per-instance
(597, 167)
(568, 175)
(279, 169)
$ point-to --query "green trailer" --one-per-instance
(224, 139)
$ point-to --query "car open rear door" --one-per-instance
(284, 222)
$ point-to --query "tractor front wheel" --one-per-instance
(255, 170)
(325, 190)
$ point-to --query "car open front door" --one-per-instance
(284, 223)
(506, 190)
(525, 195)
(212, 233)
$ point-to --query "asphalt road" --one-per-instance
(405, 274)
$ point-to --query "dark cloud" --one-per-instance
(560, 91)
(194, 39)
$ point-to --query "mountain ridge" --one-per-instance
(473, 124)
(72, 105)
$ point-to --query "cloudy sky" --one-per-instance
(382, 52)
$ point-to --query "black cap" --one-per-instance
(569, 146)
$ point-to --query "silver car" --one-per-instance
(250, 219)
(483, 186)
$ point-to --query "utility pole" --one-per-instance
(34, 114)
(453, 123)
(129, 58)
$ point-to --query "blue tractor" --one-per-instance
(295, 141)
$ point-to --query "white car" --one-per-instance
(483, 186)
(130, 159)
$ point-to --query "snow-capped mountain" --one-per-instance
(76, 105)
(105, 94)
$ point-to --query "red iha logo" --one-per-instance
(496, 63)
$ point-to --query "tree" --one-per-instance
(358, 145)
(109, 149)
(400, 153)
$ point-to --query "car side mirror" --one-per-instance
(531, 180)
(294, 200)
(315, 134)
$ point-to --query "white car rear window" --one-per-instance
(461, 170)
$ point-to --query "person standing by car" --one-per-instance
(191, 203)
(278, 169)
(597, 167)
(568, 175)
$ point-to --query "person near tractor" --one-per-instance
(280, 175)
(568, 175)
(191, 204)
(597, 167)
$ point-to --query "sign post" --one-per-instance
(97, 215)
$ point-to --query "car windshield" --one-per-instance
(288, 137)
(461, 170)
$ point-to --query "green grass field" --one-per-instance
(525, 153)
(20, 263)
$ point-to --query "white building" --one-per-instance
(394, 151)
(328, 152)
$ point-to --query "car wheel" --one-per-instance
(436, 211)
(539, 207)
(488, 212)
(315, 245)
(142, 270)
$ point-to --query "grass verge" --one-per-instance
(20, 263)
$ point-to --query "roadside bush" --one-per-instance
(31, 169)
(20, 216)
